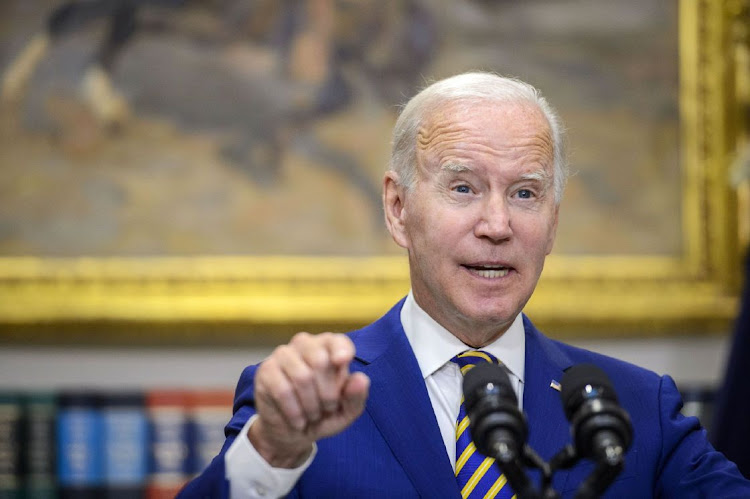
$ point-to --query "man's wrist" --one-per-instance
(287, 457)
(250, 476)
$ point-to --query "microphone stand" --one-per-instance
(510, 464)
(507, 459)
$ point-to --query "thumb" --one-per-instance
(354, 395)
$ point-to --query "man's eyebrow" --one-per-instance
(455, 167)
(541, 175)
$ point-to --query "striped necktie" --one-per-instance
(477, 475)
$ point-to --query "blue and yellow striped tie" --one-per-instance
(476, 474)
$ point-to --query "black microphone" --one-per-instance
(601, 428)
(498, 428)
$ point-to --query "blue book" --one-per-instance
(80, 470)
(126, 444)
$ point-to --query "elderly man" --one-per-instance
(473, 191)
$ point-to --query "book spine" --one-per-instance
(10, 445)
(38, 451)
(208, 412)
(79, 446)
(125, 435)
(168, 424)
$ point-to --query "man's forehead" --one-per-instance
(500, 126)
(462, 109)
(482, 120)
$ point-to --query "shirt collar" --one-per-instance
(434, 345)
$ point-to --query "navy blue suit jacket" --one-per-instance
(395, 448)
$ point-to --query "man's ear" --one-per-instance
(393, 206)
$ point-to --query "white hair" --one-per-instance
(470, 87)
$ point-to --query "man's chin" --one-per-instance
(489, 317)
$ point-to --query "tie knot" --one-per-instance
(470, 358)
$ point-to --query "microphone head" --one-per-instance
(601, 428)
(498, 427)
(582, 382)
(486, 378)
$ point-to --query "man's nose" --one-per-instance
(494, 220)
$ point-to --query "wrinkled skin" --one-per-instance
(480, 219)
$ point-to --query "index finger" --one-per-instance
(340, 348)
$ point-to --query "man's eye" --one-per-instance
(525, 194)
(462, 189)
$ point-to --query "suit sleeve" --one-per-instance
(689, 465)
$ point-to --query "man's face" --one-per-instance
(481, 218)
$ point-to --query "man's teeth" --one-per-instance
(490, 273)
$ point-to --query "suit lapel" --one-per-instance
(401, 409)
(548, 428)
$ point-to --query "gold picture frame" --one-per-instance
(242, 299)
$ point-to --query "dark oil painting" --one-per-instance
(261, 127)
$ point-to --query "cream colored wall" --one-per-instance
(691, 360)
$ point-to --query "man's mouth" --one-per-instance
(488, 271)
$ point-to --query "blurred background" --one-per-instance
(173, 173)
(259, 127)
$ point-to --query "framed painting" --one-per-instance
(210, 171)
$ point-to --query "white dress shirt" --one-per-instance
(251, 477)
(434, 348)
